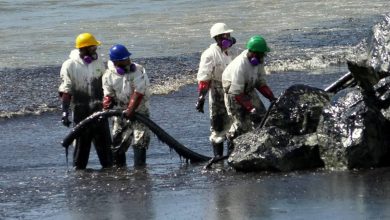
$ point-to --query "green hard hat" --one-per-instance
(257, 44)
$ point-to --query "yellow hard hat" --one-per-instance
(85, 40)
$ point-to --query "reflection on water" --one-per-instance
(108, 195)
(305, 195)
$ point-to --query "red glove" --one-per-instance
(245, 101)
(203, 87)
(267, 92)
(107, 102)
(134, 102)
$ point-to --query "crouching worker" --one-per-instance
(126, 86)
(81, 88)
(241, 78)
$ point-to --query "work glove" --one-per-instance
(200, 104)
(273, 100)
(65, 119)
(134, 102)
(245, 101)
(203, 87)
(267, 92)
(108, 103)
(129, 114)
(254, 116)
(65, 109)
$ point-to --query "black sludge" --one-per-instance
(355, 128)
(309, 128)
(287, 141)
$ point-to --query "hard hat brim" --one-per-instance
(98, 43)
(225, 32)
(125, 58)
(258, 51)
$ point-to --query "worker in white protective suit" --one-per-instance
(126, 86)
(240, 80)
(213, 62)
(81, 88)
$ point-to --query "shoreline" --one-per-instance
(37, 91)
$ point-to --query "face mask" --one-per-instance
(126, 69)
(228, 42)
(89, 59)
(254, 61)
(120, 70)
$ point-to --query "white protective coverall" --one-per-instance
(84, 83)
(241, 77)
(120, 88)
(212, 64)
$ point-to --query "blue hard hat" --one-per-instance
(119, 52)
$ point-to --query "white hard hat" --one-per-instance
(219, 28)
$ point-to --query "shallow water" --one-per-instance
(310, 42)
(35, 182)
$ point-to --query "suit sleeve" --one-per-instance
(206, 67)
(66, 80)
(107, 84)
(142, 82)
(261, 77)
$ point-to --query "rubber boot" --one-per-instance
(218, 149)
(230, 146)
(119, 158)
(139, 156)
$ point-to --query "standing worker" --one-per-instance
(126, 86)
(212, 63)
(81, 86)
(240, 80)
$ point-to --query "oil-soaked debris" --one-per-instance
(307, 129)
(287, 141)
(311, 128)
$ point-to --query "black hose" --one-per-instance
(163, 136)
